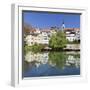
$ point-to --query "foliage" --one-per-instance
(26, 48)
(35, 48)
(28, 28)
(58, 40)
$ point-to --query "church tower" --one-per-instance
(63, 26)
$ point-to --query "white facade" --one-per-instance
(73, 36)
(29, 40)
(78, 35)
(45, 38)
(39, 38)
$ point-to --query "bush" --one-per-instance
(34, 48)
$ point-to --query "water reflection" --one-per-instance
(51, 63)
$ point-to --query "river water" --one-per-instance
(51, 64)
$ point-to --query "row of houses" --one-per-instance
(39, 36)
(42, 36)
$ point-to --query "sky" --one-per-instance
(47, 19)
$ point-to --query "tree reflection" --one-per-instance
(58, 58)
(63, 59)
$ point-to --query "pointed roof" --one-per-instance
(63, 22)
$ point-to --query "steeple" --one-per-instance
(63, 26)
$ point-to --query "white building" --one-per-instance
(70, 37)
(45, 38)
(78, 34)
(39, 37)
(72, 34)
(29, 40)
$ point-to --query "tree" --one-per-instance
(58, 40)
(28, 29)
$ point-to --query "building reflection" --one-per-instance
(54, 59)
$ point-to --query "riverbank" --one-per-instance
(60, 49)
(40, 48)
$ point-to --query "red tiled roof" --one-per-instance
(45, 30)
(72, 29)
(29, 30)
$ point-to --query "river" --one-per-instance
(51, 64)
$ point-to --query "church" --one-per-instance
(72, 34)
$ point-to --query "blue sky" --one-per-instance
(46, 20)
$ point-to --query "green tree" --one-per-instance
(58, 40)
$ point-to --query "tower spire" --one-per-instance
(63, 25)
